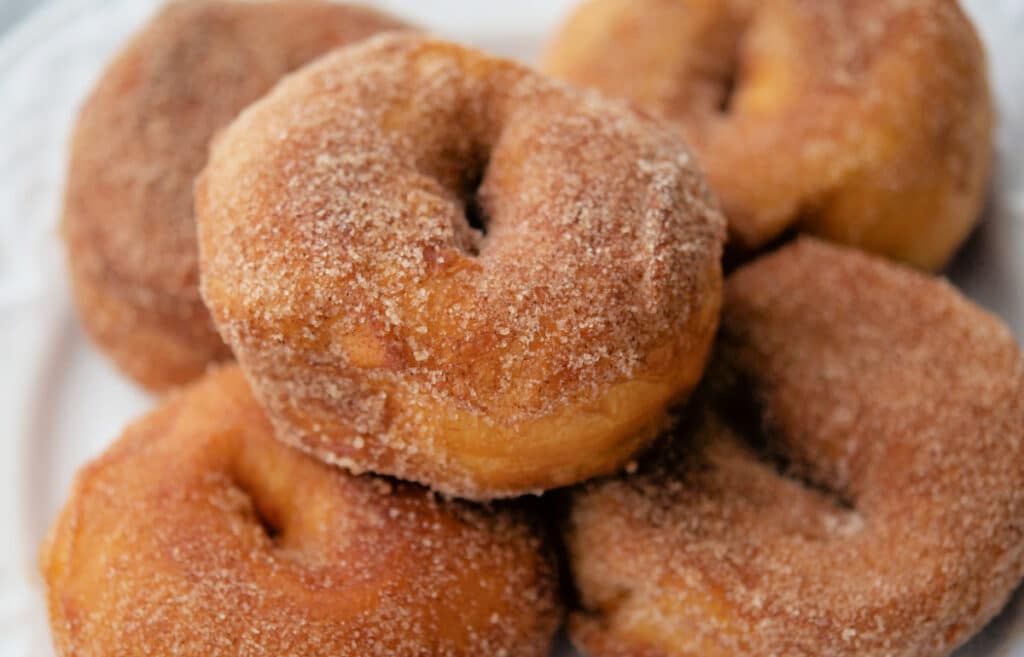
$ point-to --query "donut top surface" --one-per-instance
(412, 215)
(849, 480)
(199, 534)
(143, 135)
(868, 122)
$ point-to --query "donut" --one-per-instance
(868, 123)
(849, 479)
(441, 266)
(198, 534)
(141, 138)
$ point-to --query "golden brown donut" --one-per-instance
(439, 265)
(849, 482)
(142, 137)
(198, 534)
(867, 122)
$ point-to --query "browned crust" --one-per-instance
(140, 140)
(384, 334)
(868, 122)
(850, 482)
(163, 549)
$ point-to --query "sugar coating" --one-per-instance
(198, 534)
(868, 122)
(142, 137)
(372, 317)
(849, 480)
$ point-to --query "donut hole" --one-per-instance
(260, 504)
(728, 85)
(723, 70)
(742, 411)
(257, 511)
(270, 528)
(475, 215)
(472, 225)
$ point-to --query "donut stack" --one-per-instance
(451, 285)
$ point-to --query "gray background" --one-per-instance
(12, 11)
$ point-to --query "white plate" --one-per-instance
(62, 402)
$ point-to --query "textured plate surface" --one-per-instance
(61, 403)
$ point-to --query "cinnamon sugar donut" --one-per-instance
(140, 140)
(439, 265)
(849, 480)
(867, 122)
(197, 534)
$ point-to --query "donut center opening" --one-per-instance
(259, 509)
(729, 84)
(475, 215)
(270, 528)
(723, 70)
(743, 412)
(471, 232)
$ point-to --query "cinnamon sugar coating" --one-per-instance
(197, 534)
(141, 138)
(867, 122)
(442, 266)
(848, 481)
